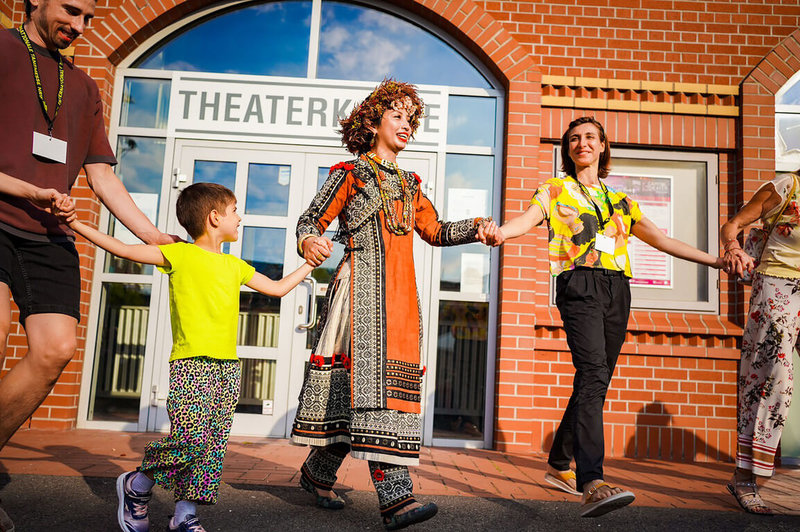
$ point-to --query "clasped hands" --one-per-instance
(735, 261)
(316, 249)
(489, 233)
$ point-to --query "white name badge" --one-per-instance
(49, 147)
(604, 244)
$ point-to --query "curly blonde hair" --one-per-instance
(390, 94)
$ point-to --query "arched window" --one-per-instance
(787, 126)
(346, 41)
(242, 66)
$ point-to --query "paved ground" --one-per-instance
(65, 481)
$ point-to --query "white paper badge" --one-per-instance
(604, 244)
(49, 147)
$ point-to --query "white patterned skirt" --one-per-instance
(324, 414)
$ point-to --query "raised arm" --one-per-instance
(64, 208)
(647, 231)
(517, 226)
(108, 187)
(763, 201)
(265, 285)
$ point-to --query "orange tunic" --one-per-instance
(385, 323)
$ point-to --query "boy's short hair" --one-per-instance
(196, 202)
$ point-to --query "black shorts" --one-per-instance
(44, 277)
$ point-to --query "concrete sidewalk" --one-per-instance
(270, 465)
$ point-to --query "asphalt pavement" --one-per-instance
(77, 503)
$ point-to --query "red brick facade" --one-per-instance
(659, 74)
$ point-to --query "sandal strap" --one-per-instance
(566, 475)
(595, 488)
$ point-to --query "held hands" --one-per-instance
(64, 208)
(316, 249)
(736, 261)
(46, 198)
(490, 234)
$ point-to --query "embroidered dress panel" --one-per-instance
(204, 315)
(573, 224)
(781, 256)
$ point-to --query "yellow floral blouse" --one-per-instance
(573, 224)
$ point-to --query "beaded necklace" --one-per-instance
(395, 226)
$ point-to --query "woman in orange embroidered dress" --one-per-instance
(361, 393)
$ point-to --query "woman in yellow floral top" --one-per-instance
(589, 225)
(770, 334)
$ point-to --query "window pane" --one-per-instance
(141, 167)
(471, 121)
(219, 172)
(322, 175)
(145, 103)
(674, 196)
(460, 370)
(468, 193)
(262, 247)
(359, 43)
(788, 135)
(791, 96)
(268, 189)
(259, 318)
(119, 356)
(216, 44)
(465, 269)
(258, 385)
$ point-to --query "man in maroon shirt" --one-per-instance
(51, 125)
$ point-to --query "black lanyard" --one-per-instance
(38, 80)
(586, 193)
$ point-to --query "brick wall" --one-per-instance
(659, 74)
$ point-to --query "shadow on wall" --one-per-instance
(655, 438)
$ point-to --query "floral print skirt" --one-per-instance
(765, 372)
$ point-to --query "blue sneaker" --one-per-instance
(190, 524)
(132, 512)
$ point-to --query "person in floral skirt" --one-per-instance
(770, 334)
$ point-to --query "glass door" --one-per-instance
(268, 183)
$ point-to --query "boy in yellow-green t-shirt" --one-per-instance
(204, 370)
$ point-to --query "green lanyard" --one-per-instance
(586, 193)
(38, 80)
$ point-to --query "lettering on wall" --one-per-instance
(279, 111)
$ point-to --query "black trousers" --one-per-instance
(594, 304)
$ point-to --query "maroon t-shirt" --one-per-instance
(79, 122)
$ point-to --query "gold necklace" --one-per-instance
(395, 226)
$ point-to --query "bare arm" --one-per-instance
(144, 253)
(763, 201)
(647, 231)
(265, 285)
(41, 197)
(108, 187)
(517, 226)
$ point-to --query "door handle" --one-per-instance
(312, 306)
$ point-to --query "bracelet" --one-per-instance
(727, 245)
(300, 243)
